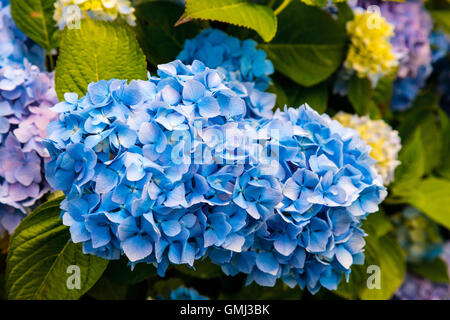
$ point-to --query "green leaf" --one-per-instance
(389, 257)
(378, 224)
(35, 19)
(360, 94)
(106, 289)
(431, 136)
(294, 95)
(204, 269)
(411, 119)
(109, 51)
(442, 18)
(309, 46)
(411, 168)
(156, 31)
(345, 13)
(383, 92)
(120, 272)
(435, 270)
(316, 97)
(444, 167)
(246, 14)
(431, 196)
(39, 257)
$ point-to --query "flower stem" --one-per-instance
(51, 63)
(282, 6)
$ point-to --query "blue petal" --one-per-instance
(266, 262)
(137, 248)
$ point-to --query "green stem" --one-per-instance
(51, 63)
(271, 3)
(282, 6)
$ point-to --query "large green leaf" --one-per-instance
(309, 46)
(97, 51)
(411, 168)
(39, 257)
(35, 19)
(431, 135)
(431, 196)
(434, 270)
(384, 253)
(360, 94)
(444, 167)
(156, 31)
(238, 12)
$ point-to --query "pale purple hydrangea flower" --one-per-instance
(26, 94)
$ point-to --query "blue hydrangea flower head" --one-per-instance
(328, 185)
(238, 60)
(176, 168)
(142, 168)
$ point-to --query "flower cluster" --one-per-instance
(144, 159)
(418, 235)
(172, 169)
(412, 29)
(26, 94)
(405, 90)
(15, 47)
(370, 53)
(328, 184)
(238, 60)
(385, 141)
(69, 11)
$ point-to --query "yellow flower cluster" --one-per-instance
(385, 141)
(66, 11)
(370, 53)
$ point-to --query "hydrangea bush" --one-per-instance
(148, 163)
(249, 164)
